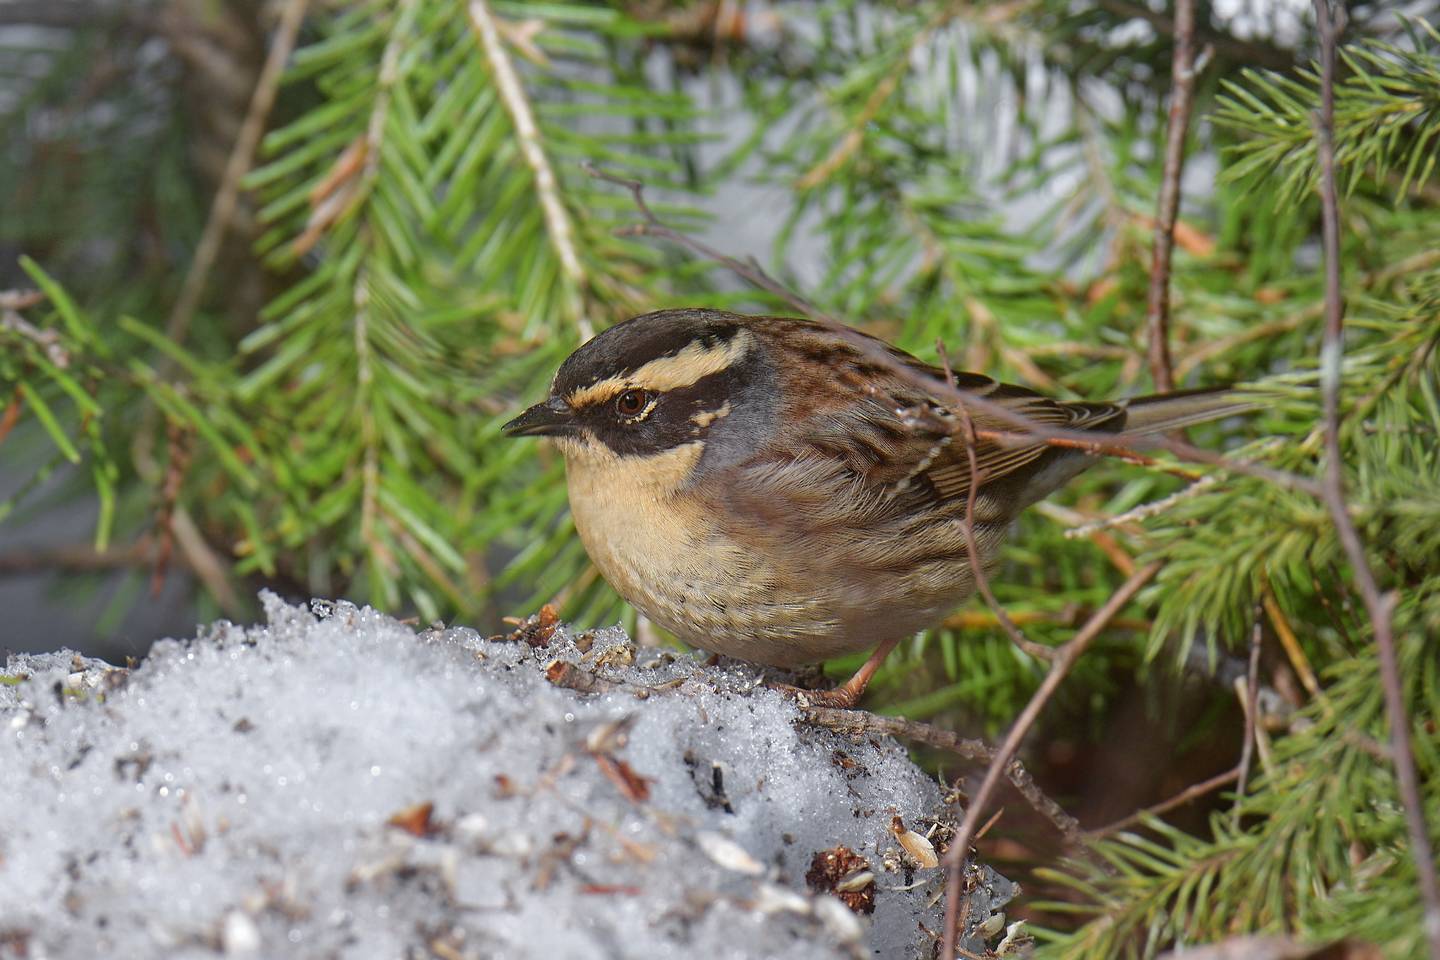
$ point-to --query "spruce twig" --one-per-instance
(527, 133)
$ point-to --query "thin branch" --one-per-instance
(1065, 658)
(1165, 806)
(75, 558)
(77, 15)
(242, 154)
(859, 722)
(1144, 511)
(49, 341)
(205, 562)
(1251, 706)
(1182, 88)
(1330, 22)
(977, 565)
(527, 131)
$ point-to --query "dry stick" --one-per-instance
(80, 557)
(527, 131)
(859, 722)
(1182, 86)
(1183, 797)
(1252, 707)
(1065, 658)
(1380, 607)
(222, 210)
(1028, 431)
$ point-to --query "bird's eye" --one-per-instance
(630, 403)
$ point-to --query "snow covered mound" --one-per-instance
(336, 784)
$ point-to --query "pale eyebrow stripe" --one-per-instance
(668, 373)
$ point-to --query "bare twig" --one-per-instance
(527, 132)
(1380, 608)
(1065, 658)
(860, 722)
(977, 565)
(177, 459)
(11, 303)
(205, 562)
(1144, 511)
(75, 558)
(1292, 645)
(222, 210)
(1164, 806)
(1182, 87)
(1252, 707)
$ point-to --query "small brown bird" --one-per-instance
(763, 488)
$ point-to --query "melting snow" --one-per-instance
(336, 784)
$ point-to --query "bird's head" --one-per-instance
(697, 382)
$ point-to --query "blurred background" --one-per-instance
(273, 273)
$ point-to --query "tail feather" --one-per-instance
(1171, 411)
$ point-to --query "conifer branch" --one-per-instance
(360, 293)
(527, 132)
(1330, 21)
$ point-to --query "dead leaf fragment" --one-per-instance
(921, 850)
(414, 820)
(728, 854)
(635, 788)
(538, 629)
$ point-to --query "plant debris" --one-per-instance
(846, 874)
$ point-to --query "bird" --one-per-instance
(785, 491)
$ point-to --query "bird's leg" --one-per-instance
(848, 693)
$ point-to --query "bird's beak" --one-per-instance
(553, 418)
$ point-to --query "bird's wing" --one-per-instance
(895, 443)
(905, 441)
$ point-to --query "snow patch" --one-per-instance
(337, 784)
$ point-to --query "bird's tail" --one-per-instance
(1163, 412)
